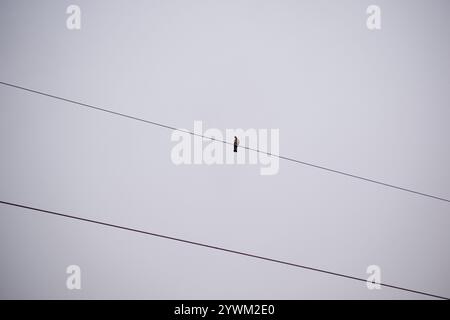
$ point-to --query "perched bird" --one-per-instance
(236, 143)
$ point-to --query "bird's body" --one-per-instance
(236, 143)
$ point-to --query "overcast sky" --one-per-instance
(370, 103)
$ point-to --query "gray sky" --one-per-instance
(371, 103)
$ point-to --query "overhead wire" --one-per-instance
(354, 176)
(205, 245)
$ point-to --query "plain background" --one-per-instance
(371, 103)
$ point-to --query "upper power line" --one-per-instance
(384, 184)
(205, 245)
